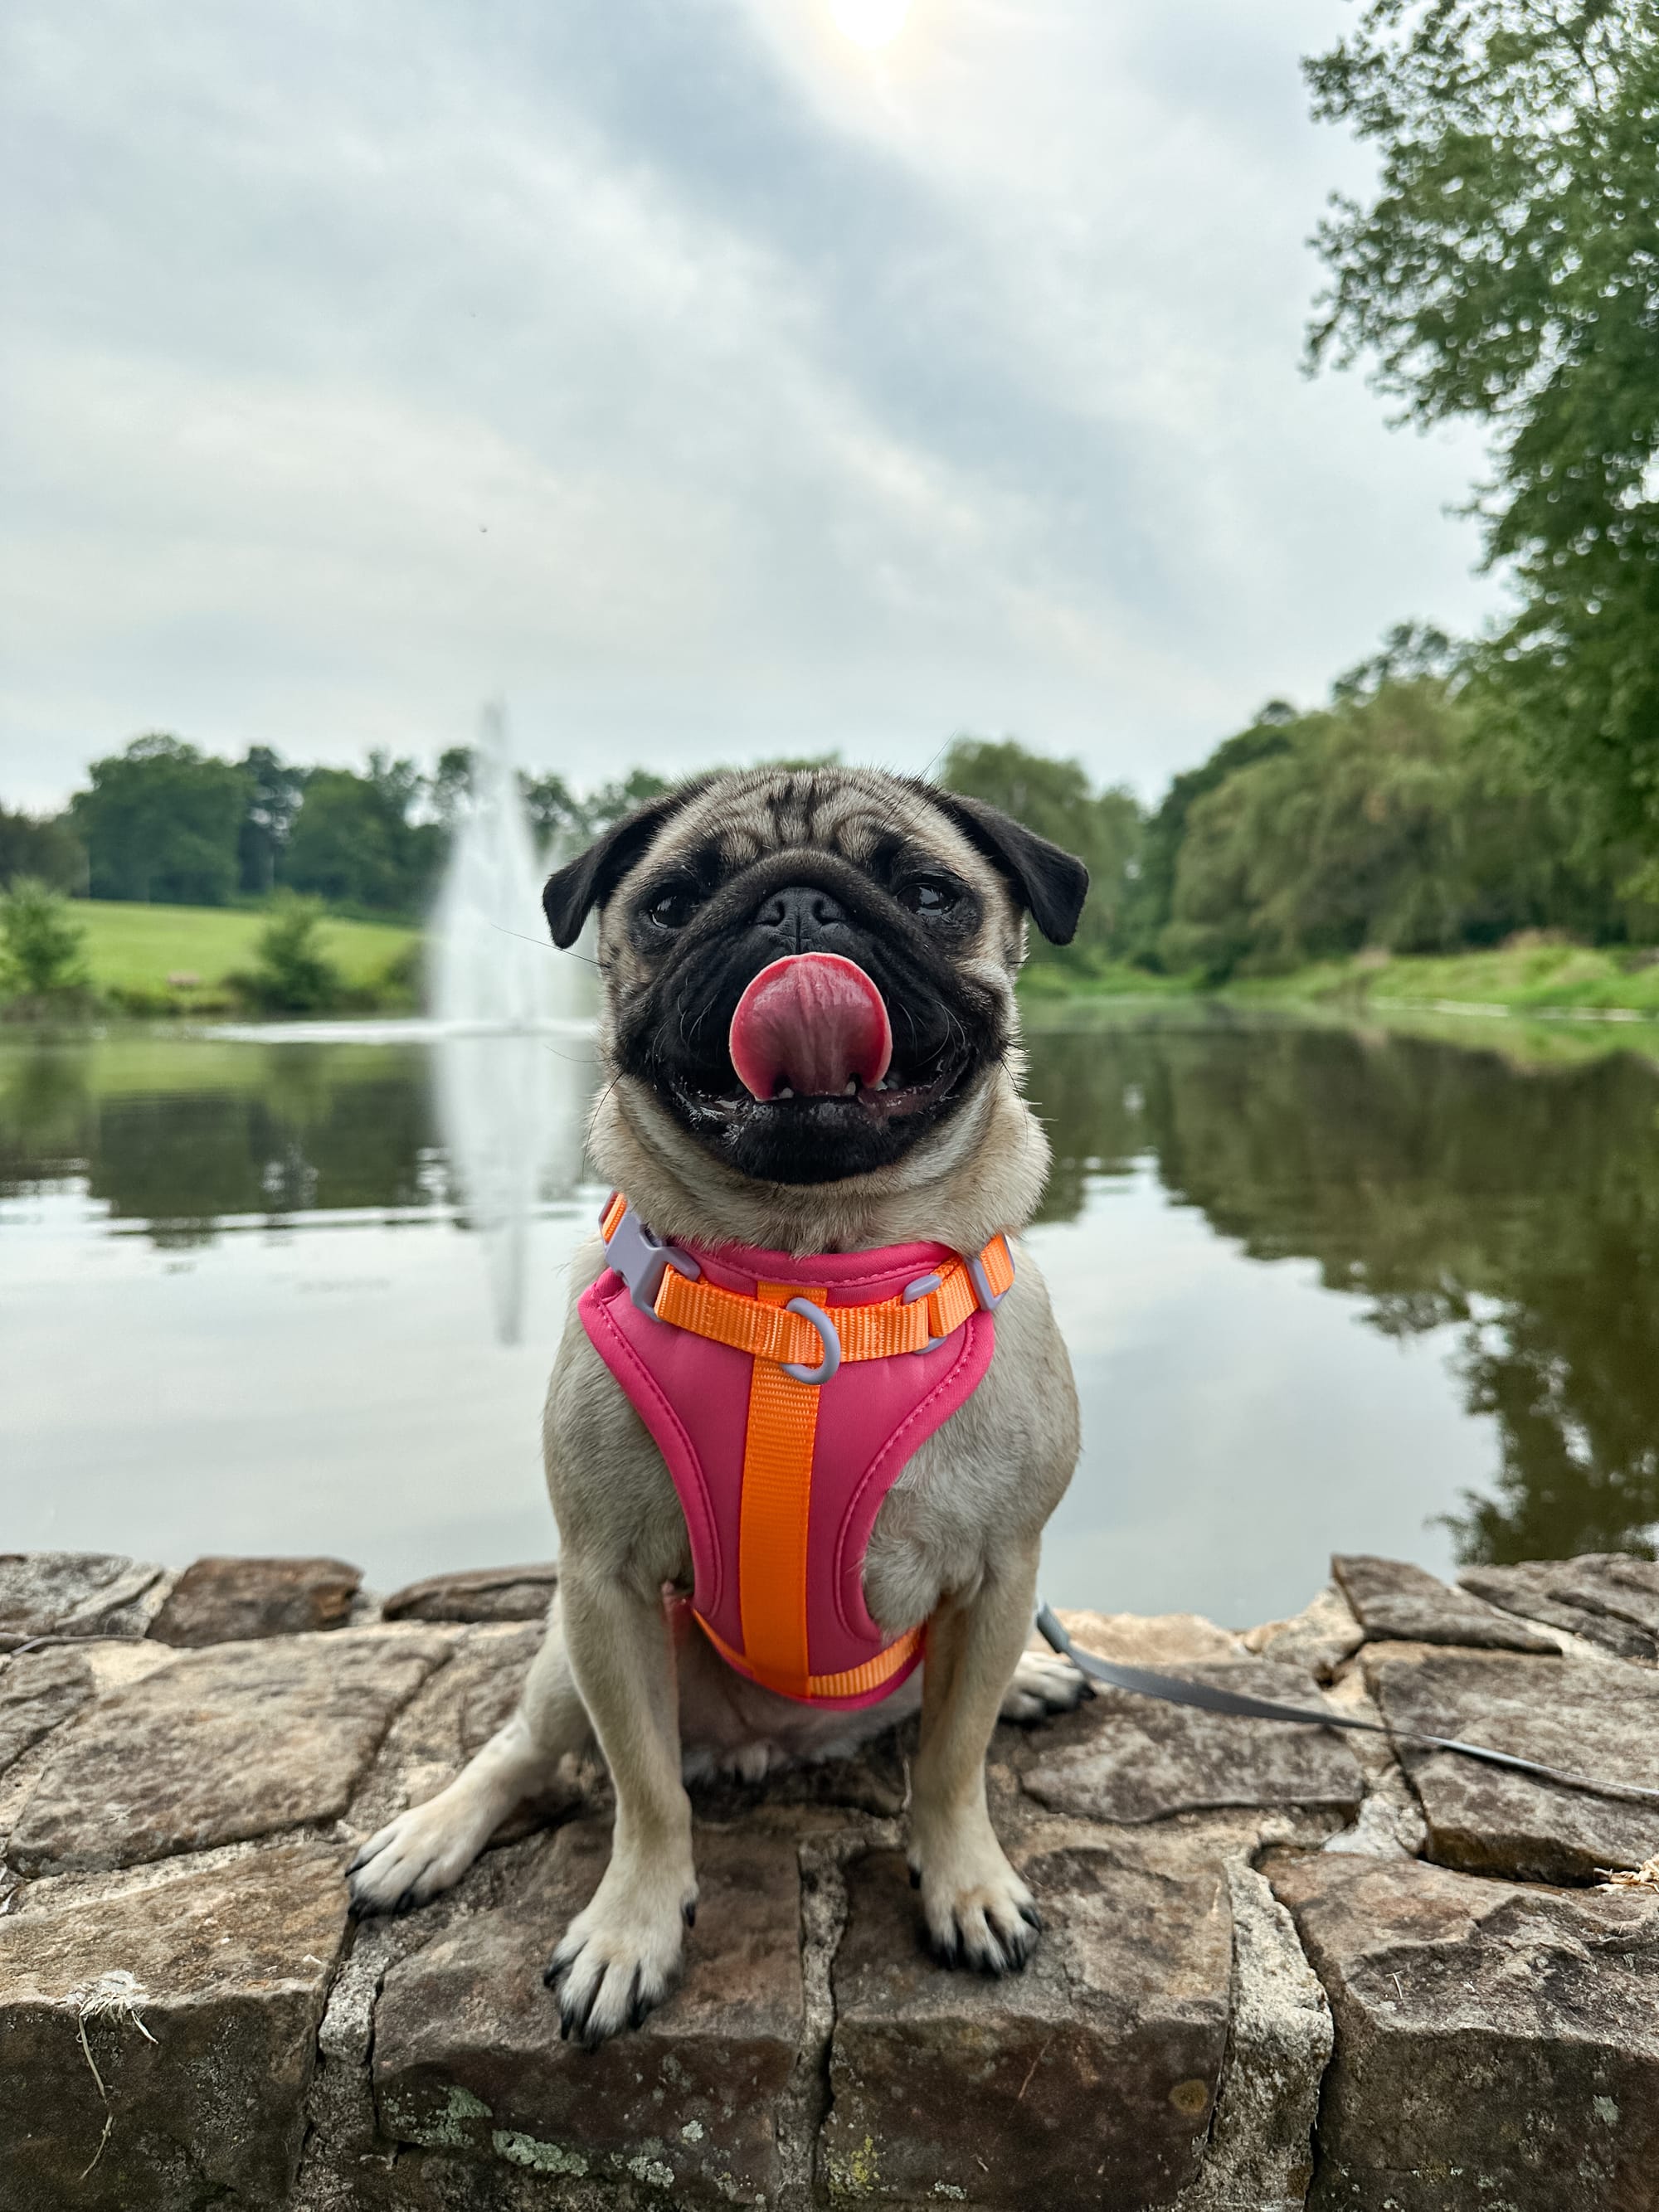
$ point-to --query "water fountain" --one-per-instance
(513, 1050)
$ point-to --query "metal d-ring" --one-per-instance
(827, 1337)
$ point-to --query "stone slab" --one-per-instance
(1610, 1600)
(1496, 2044)
(219, 1747)
(227, 1967)
(1393, 1598)
(1319, 1638)
(1259, 2157)
(1148, 1639)
(235, 1601)
(1089, 2079)
(477, 1594)
(1125, 1758)
(1584, 1716)
(39, 1692)
(467, 2054)
(73, 1594)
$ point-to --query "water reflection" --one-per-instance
(1436, 1187)
(1441, 1186)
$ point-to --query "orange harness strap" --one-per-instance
(782, 1427)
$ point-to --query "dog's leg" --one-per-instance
(432, 1845)
(978, 1912)
(620, 1954)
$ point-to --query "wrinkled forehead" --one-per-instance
(859, 814)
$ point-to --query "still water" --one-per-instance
(1323, 1291)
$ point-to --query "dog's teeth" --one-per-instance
(785, 1092)
(851, 1089)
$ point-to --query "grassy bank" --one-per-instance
(183, 960)
(1545, 981)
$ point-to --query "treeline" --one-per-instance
(165, 823)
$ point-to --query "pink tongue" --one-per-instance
(813, 1022)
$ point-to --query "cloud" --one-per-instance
(704, 382)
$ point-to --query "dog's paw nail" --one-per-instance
(688, 1913)
(915, 1877)
(1031, 1917)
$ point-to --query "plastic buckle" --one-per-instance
(828, 1337)
(640, 1259)
(923, 1287)
(989, 1300)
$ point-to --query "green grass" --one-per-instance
(137, 948)
(1543, 980)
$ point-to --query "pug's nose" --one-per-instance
(798, 917)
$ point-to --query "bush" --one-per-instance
(41, 945)
(294, 975)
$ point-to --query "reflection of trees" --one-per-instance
(1445, 1187)
(296, 1127)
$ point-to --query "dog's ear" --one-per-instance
(572, 892)
(1050, 882)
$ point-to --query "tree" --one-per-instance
(274, 790)
(46, 851)
(1151, 905)
(1506, 271)
(41, 944)
(355, 840)
(159, 822)
(1382, 822)
(1055, 798)
(293, 974)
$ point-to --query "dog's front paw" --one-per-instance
(620, 1955)
(422, 1851)
(1043, 1683)
(977, 1912)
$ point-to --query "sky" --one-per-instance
(703, 382)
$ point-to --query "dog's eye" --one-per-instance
(928, 894)
(672, 909)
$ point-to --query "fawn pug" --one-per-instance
(812, 1411)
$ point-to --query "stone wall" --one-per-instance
(1281, 1966)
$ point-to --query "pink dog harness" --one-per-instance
(786, 1396)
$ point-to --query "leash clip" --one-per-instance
(641, 1260)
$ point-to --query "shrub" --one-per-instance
(41, 944)
(293, 974)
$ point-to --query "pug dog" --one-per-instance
(914, 903)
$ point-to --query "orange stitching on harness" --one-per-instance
(852, 1682)
(777, 1497)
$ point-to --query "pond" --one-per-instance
(1323, 1289)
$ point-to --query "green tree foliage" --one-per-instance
(41, 944)
(274, 791)
(292, 973)
(1055, 799)
(357, 841)
(1381, 822)
(161, 822)
(46, 851)
(1506, 270)
(1151, 905)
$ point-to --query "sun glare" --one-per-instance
(871, 22)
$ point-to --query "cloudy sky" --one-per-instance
(700, 379)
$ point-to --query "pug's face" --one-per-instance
(810, 971)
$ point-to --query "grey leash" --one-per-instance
(1177, 1690)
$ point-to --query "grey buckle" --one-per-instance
(923, 1287)
(640, 1259)
(828, 1337)
(989, 1300)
